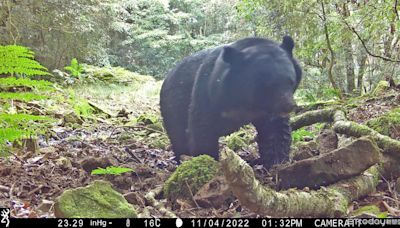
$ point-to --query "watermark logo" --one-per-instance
(5, 216)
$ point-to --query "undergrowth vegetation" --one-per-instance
(17, 64)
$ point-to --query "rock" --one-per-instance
(97, 200)
(71, 118)
(91, 163)
(344, 141)
(64, 163)
(123, 181)
(135, 199)
(391, 166)
(397, 185)
(214, 194)
(327, 141)
(305, 150)
(330, 167)
(189, 177)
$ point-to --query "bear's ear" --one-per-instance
(287, 44)
(231, 55)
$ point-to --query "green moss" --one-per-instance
(157, 140)
(193, 174)
(299, 134)
(239, 140)
(369, 209)
(386, 123)
(115, 75)
(97, 200)
(381, 87)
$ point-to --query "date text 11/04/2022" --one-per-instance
(243, 223)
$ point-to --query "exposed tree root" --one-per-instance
(387, 144)
(326, 202)
(331, 201)
(312, 117)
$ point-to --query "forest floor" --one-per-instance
(31, 182)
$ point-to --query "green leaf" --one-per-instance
(21, 96)
(75, 68)
(26, 82)
(16, 59)
(299, 134)
(111, 170)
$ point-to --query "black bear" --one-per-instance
(214, 92)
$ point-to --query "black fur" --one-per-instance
(216, 91)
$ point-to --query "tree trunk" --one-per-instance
(348, 54)
(361, 71)
(332, 53)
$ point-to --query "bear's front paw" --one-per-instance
(273, 159)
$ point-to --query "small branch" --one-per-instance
(4, 188)
(328, 43)
(191, 194)
(145, 128)
(16, 156)
(35, 190)
(365, 46)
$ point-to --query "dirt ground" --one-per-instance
(30, 182)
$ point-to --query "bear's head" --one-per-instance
(260, 78)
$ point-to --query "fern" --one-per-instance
(75, 68)
(81, 106)
(16, 59)
(21, 96)
(11, 134)
(30, 124)
(25, 82)
(18, 126)
(15, 119)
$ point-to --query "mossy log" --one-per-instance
(325, 202)
(329, 168)
(349, 128)
(312, 117)
(331, 201)
(387, 144)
